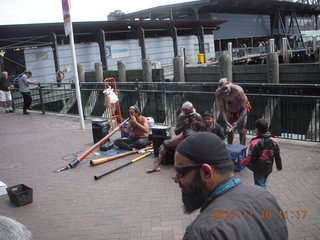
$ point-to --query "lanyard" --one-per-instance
(221, 190)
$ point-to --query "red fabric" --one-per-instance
(180, 138)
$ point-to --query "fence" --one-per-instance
(292, 110)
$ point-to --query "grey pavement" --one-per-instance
(127, 204)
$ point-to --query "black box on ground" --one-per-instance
(20, 194)
(100, 129)
(159, 134)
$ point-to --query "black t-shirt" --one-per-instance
(4, 84)
(218, 130)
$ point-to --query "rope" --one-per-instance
(30, 40)
(31, 66)
(14, 61)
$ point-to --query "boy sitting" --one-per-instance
(212, 125)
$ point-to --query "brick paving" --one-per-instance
(127, 204)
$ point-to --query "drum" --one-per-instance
(159, 134)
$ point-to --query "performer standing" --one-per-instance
(234, 107)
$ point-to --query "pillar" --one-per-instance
(122, 71)
(98, 71)
(272, 111)
(273, 68)
(140, 33)
(230, 50)
(1, 64)
(101, 39)
(225, 67)
(272, 48)
(147, 70)
(174, 35)
(54, 46)
(178, 69)
(81, 72)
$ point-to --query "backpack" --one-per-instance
(264, 153)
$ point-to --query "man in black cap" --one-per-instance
(229, 209)
(137, 129)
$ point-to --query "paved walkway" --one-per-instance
(127, 204)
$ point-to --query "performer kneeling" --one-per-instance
(188, 122)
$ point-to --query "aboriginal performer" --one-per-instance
(188, 122)
(137, 129)
(234, 107)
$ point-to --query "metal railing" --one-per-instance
(241, 52)
(291, 109)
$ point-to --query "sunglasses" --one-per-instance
(182, 171)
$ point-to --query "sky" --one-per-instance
(45, 11)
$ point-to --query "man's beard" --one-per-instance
(195, 194)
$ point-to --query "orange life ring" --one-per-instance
(60, 75)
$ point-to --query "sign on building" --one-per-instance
(117, 50)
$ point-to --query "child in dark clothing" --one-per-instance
(263, 150)
(212, 125)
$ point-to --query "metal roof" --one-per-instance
(86, 31)
(261, 7)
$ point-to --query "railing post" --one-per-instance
(41, 98)
(13, 97)
(230, 52)
(271, 46)
(137, 87)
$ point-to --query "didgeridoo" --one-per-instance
(107, 159)
(75, 162)
(126, 164)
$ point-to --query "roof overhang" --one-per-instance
(87, 31)
(187, 9)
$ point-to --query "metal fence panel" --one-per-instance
(291, 110)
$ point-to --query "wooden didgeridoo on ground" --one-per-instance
(126, 164)
(90, 150)
(107, 159)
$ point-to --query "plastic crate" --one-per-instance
(238, 153)
(20, 194)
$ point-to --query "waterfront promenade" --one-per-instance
(127, 204)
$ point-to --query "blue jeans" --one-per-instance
(260, 180)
